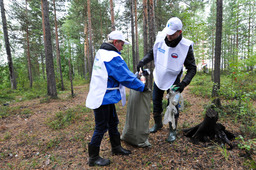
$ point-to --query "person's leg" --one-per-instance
(114, 135)
(157, 108)
(101, 125)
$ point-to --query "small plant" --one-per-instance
(249, 146)
(224, 152)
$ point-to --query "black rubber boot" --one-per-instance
(117, 149)
(172, 134)
(158, 124)
(94, 158)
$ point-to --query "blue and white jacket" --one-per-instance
(110, 73)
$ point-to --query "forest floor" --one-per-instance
(29, 142)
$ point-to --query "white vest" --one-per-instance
(99, 80)
(168, 61)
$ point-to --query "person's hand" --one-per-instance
(180, 87)
(140, 66)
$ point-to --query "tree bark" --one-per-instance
(7, 47)
(90, 35)
(152, 36)
(209, 130)
(216, 86)
(136, 34)
(28, 51)
(51, 83)
(86, 50)
(112, 15)
(133, 39)
(145, 27)
(58, 46)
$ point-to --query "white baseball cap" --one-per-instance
(173, 24)
(117, 35)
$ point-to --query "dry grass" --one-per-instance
(30, 143)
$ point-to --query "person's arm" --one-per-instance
(118, 69)
(146, 59)
(190, 65)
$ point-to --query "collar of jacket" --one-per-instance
(173, 43)
(109, 47)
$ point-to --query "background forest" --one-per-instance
(48, 46)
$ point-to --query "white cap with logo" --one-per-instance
(117, 35)
(173, 24)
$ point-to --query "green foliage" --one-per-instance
(202, 85)
(249, 145)
(6, 111)
(64, 119)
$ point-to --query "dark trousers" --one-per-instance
(157, 101)
(106, 119)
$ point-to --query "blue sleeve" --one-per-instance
(118, 69)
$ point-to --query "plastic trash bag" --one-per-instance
(136, 129)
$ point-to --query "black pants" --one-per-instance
(106, 119)
(157, 101)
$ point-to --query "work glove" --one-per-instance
(140, 65)
(180, 87)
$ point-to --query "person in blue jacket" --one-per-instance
(109, 76)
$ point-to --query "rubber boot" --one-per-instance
(94, 158)
(117, 149)
(172, 134)
(158, 124)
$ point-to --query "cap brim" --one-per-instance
(169, 31)
(126, 42)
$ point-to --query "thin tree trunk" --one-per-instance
(51, 83)
(58, 46)
(7, 47)
(90, 35)
(112, 15)
(70, 68)
(216, 86)
(152, 36)
(86, 54)
(136, 33)
(145, 27)
(133, 39)
(28, 51)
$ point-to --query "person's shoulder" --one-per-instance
(160, 36)
(186, 41)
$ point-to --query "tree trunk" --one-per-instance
(7, 47)
(51, 83)
(86, 51)
(28, 50)
(112, 15)
(133, 39)
(152, 36)
(90, 35)
(136, 34)
(70, 68)
(209, 130)
(216, 86)
(58, 46)
(145, 27)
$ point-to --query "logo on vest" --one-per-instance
(161, 50)
(174, 55)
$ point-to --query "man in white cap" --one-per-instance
(170, 52)
(109, 76)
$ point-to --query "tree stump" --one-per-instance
(209, 130)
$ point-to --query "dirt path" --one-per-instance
(29, 143)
